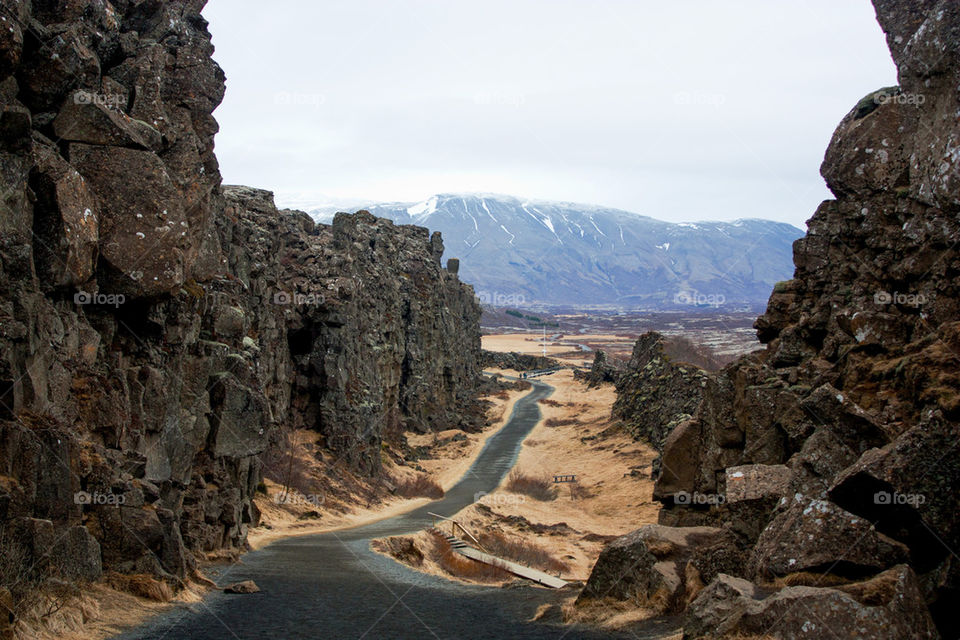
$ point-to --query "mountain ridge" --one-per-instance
(531, 252)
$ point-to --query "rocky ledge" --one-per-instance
(156, 327)
(821, 473)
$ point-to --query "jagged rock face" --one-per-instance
(374, 326)
(601, 371)
(655, 393)
(516, 361)
(856, 399)
(155, 327)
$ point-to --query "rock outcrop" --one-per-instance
(601, 371)
(155, 327)
(832, 454)
(656, 393)
(516, 361)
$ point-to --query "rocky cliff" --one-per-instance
(655, 393)
(155, 327)
(823, 471)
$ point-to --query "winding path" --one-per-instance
(331, 585)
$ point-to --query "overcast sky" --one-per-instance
(683, 110)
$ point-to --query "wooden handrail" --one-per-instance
(460, 526)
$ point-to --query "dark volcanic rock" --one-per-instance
(156, 327)
(655, 393)
(818, 536)
(648, 566)
(246, 586)
(888, 606)
(856, 393)
(600, 372)
(516, 361)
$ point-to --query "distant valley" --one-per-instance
(536, 253)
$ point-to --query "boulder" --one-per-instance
(77, 555)
(830, 408)
(84, 118)
(145, 236)
(679, 467)
(717, 607)
(757, 481)
(818, 536)
(243, 587)
(908, 488)
(647, 566)
(821, 457)
(888, 606)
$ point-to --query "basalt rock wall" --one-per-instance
(827, 466)
(156, 327)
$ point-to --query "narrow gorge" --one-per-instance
(163, 336)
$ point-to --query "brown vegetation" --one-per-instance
(460, 566)
(289, 462)
(139, 584)
(537, 487)
(522, 551)
(418, 486)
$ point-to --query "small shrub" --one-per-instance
(522, 551)
(560, 422)
(462, 566)
(579, 492)
(139, 584)
(537, 487)
(419, 486)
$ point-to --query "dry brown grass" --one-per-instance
(559, 422)
(522, 551)
(460, 566)
(419, 486)
(141, 585)
(537, 487)
(809, 579)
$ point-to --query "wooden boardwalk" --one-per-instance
(529, 573)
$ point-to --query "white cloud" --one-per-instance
(695, 110)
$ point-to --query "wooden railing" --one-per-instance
(454, 525)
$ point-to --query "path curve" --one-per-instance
(330, 585)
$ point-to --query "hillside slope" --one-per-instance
(518, 252)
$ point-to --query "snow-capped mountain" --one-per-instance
(518, 252)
